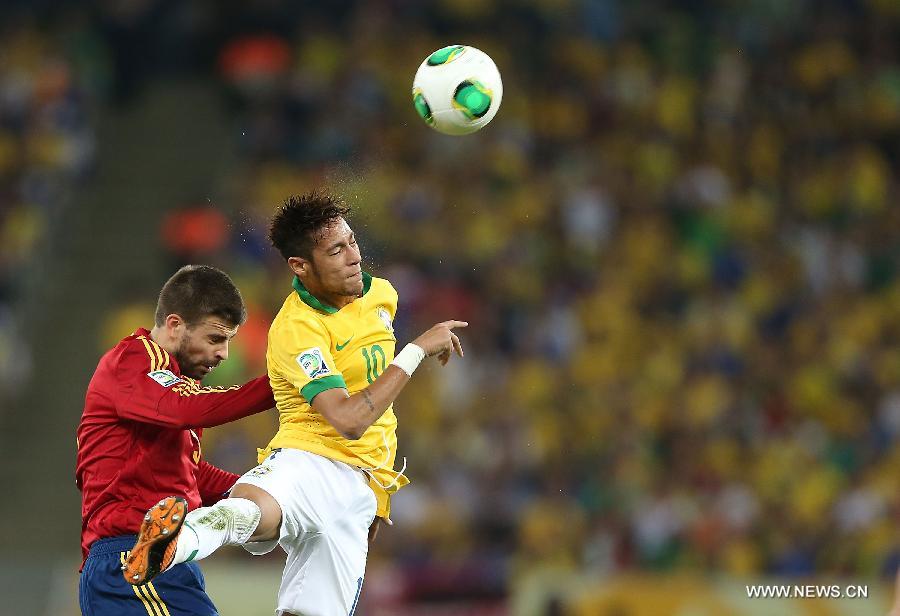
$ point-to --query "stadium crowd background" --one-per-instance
(46, 151)
(676, 246)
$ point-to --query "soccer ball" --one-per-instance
(457, 90)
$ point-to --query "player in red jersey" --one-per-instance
(139, 439)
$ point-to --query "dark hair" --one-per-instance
(198, 291)
(299, 222)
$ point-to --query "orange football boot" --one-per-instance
(155, 547)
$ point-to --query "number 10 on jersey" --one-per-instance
(372, 367)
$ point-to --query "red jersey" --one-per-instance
(139, 437)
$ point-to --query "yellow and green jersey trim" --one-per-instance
(335, 381)
(314, 388)
(313, 302)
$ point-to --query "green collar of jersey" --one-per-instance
(314, 302)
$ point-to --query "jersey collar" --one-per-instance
(313, 302)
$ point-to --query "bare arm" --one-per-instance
(352, 415)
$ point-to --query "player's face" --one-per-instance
(336, 266)
(203, 346)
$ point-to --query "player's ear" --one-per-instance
(299, 265)
(174, 324)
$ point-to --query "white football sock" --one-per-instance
(229, 522)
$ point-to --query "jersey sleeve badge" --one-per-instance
(313, 363)
(166, 378)
(385, 317)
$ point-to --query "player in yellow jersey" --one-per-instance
(324, 481)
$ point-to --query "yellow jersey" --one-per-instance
(314, 347)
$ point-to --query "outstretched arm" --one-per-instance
(352, 415)
(154, 396)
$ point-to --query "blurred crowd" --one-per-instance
(677, 249)
(46, 150)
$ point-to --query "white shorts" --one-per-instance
(326, 510)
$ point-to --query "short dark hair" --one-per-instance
(299, 222)
(196, 292)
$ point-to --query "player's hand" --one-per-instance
(441, 341)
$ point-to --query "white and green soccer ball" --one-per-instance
(457, 90)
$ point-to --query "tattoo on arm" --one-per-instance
(368, 398)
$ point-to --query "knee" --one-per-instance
(270, 511)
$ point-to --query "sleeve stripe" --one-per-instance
(150, 353)
(206, 390)
(166, 359)
(159, 355)
(190, 387)
(314, 388)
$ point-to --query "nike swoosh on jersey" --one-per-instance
(340, 347)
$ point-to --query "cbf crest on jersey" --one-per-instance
(385, 317)
(313, 363)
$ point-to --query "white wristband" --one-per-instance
(409, 358)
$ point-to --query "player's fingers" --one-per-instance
(452, 324)
(457, 346)
(444, 357)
